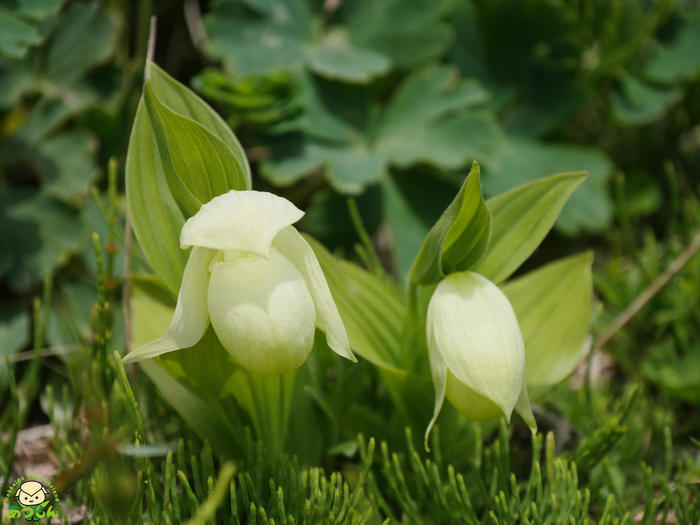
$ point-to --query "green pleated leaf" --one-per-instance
(155, 217)
(372, 310)
(553, 305)
(460, 236)
(185, 102)
(199, 146)
(197, 165)
(520, 220)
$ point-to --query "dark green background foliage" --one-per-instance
(388, 102)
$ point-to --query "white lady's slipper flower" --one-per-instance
(257, 281)
(477, 354)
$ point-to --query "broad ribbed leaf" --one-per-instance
(459, 237)
(155, 217)
(198, 166)
(520, 220)
(372, 310)
(185, 102)
(197, 142)
(553, 305)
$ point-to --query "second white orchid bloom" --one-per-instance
(257, 281)
(477, 354)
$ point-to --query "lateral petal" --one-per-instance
(438, 370)
(290, 243)
(191, 317)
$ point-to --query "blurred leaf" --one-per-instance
(39, 235)
(430, 118)
(16, 34)
(679, 59)
(45, 117)
(638, 103)
(16, 78)
(67, 169)
(406, 33)
(328, 219)
(372, 310)
(554, 304)
(520, 160)
(275, 35)
(520, 219)
(85, 37)
(336, 58)
(356, 43)
(460, 236)
(677, 375)
(642, 194)
(350, 170)
(527, 54)
(14, 335)
(264, 99)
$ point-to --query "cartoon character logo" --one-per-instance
(31, 498)
(31, 493)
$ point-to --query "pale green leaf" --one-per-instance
(459, 237)
(372, 310)
(186, 103)
(155, 217)
(554, 305)
(198, 166)
(520, 220)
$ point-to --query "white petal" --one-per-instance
(438, 369)
(190, 319)
(262, 312)
(245, 221)
(478, 336)
(294, 247)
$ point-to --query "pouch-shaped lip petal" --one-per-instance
(191, 317)
(477, 335)
(294, 247)
(245, 221)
